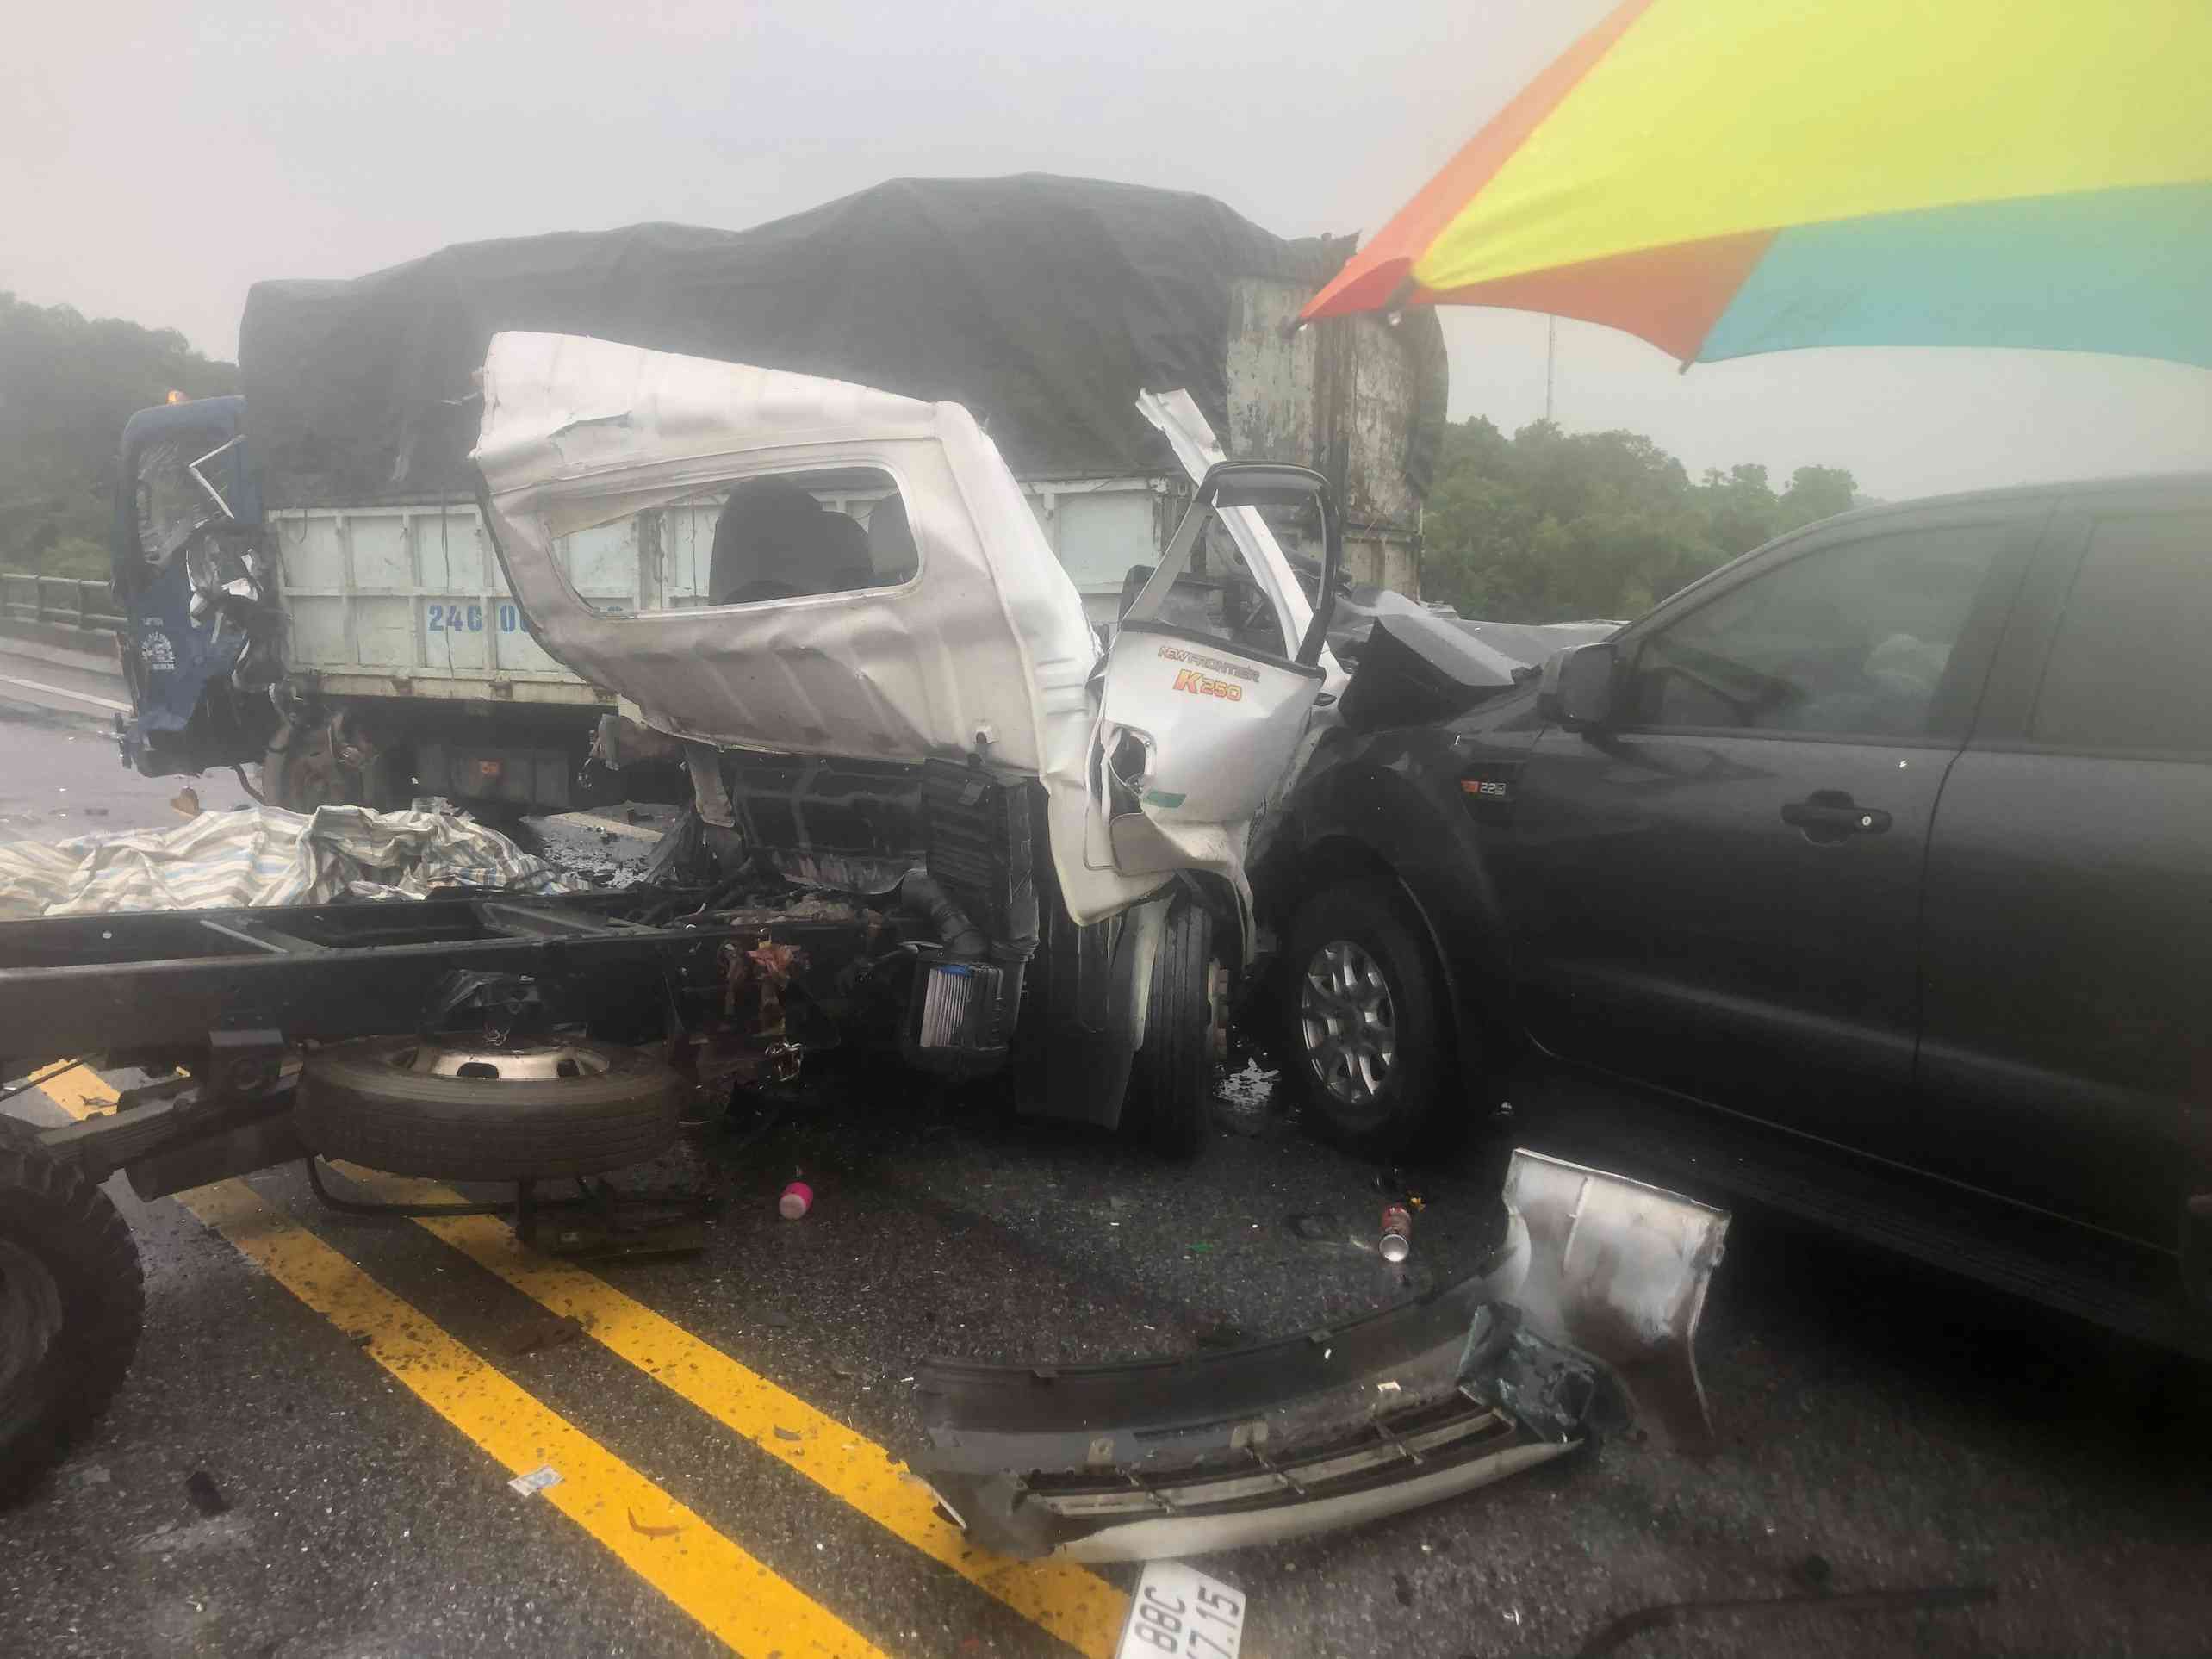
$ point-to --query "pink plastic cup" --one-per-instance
(798, 1198)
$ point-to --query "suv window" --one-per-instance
(2130, 666)
(1852, 638)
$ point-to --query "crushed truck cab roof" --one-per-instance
(878, 590)
(984, 648)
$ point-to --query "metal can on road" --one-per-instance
(1397, 1240)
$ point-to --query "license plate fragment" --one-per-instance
(1179, 1612)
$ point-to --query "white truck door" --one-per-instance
(1206, 691)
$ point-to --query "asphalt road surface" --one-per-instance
(60, 777)
(358, 1395)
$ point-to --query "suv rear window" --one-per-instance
(2130, 667)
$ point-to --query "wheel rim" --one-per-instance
(1349, 1023)
(30, 1315)
(518, 1062)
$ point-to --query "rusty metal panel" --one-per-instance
(1345, 396)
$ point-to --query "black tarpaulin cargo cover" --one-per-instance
(1043, 304)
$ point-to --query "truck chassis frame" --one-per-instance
(227, 995)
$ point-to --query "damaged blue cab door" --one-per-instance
(190, 576)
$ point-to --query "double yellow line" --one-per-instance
(726, 1589)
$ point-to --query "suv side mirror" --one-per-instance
(1577, 688)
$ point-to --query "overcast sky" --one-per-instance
(157, 158)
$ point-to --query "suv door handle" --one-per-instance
(1829, 814)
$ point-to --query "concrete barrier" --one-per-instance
(47, 603)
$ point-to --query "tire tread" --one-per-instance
(351, 1106)
(1175, 1064)
(48, 1207)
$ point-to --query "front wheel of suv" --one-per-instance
(1363, 1019)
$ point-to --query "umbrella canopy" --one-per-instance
(1729, 177)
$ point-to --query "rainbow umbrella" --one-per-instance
(1729, 176)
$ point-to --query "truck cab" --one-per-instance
(1041, 834)
(194, 585)
(361, 654)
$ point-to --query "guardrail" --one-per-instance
(58, 602)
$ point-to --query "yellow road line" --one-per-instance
(80, 1091)
(736, 1597)
(1071, 1601)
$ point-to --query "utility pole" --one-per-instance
(1550, 361)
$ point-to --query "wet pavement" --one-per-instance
(60, 777)
(1879, 1427)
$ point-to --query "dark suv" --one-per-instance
(1878, 862)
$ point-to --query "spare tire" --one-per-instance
(469, 1110)
(70, 1304)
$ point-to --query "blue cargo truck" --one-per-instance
(308, 588)
(364, 654)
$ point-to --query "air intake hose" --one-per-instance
(964, 940)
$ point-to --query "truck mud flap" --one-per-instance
(1329, 1428)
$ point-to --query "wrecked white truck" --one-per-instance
(943, 822)
(307, 584)
(1037, 848)
(949, 819)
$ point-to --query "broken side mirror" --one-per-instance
(1577, 688)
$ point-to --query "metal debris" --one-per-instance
(525, 1486)
(640, 1527)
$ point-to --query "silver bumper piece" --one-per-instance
(1450, 1391)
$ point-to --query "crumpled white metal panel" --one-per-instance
(1618, 1269)
(987, 642)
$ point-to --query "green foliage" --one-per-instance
(1548, 526)
(67, 383)
(76, 555)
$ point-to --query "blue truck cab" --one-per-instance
(195, 591)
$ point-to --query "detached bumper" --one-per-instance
(1326, 1429)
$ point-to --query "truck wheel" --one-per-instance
(476, 1111)
(1365, 1026)
(1172, 1084)
(72, 1301)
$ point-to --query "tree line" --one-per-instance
(1552, 526)
(67, 383)
(1545, 525)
